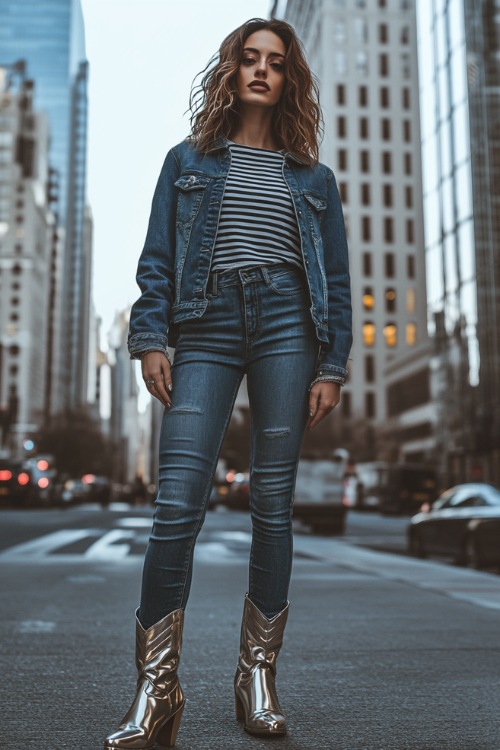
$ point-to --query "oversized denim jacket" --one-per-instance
(175, 263)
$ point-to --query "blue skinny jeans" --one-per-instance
(257, 322)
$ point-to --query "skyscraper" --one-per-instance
(26, 252)
(49, 36)
(364, 54)
(459, 45)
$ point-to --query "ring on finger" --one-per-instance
(149, 382)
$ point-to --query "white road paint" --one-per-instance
(135, 522)
(105, 548)
(46, 544)
(36, 626)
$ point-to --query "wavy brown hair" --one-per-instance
(214, 105)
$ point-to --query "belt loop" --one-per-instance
(265, 275)
(214, 283)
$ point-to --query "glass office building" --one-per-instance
(49, 36)
(459, 72)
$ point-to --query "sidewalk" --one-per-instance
(375, 656)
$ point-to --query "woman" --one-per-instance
(244, 271)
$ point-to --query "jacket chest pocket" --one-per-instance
(191, 189)
(316, 206)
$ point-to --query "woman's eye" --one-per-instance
(248, 60)
(278, 66)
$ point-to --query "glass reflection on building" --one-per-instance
(458, 65)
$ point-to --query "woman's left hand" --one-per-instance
(323, 398)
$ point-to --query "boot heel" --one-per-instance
(167, 735)
(240, 711)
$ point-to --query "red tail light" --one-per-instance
(23, 478)
(43, 482)
(5, 475)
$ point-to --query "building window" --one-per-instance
(382, 3)
(369, 368)
(410, 234)
(405, 4)
(340, 62)
(14, 316)
(411, 334)
(410, 266)
(383, 64)
(14, 301)
(383, 33)
(410, 300)
(342, 127)
(342, 154)
(391, 334)
(388, 230)
(19, 249)
(409, 196)
(341, 94)
(405, 35)
(386, 162)
(406, 97)
(389, 265)
(387, 196)
(13, 369)
(407, 131)
(340, 31)
(365, 194)
(364, 158)
(366, 229)
(362, 62)
(368, 298)
(367, 264)
(408, 164)
(343, 192)
(363, 96)
(361, 30)
(370, 405)
(390, 300)
(345, 403)
(14, 350)
(405, 65)
(369, 333)
(384, 97)
(16, 269)
(360, 3)
(385, 129)
(363, 127)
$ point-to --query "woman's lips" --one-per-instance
(259, 86)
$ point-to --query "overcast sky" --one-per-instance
(143, 56)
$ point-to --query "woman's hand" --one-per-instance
(156, 373)
(324, 397)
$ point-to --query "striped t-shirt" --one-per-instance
(257, 223)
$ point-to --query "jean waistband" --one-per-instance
(245, 275)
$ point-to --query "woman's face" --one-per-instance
(261, 76)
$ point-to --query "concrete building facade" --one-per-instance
(26, 244)
(364, 54)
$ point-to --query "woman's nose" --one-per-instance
(261, 68)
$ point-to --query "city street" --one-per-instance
(382, 652)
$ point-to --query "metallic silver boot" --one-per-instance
(254, 683)
(154, 717)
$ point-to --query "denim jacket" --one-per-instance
(175, 263)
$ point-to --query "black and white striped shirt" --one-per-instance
(257, 223)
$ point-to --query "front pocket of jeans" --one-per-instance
(287, 283)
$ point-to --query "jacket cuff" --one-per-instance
(331, 372)
(141, 343)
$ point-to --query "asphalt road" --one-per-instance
(382, 652)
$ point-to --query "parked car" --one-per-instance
(16, 484)
(463, 523)
(392, 487)
(319, 493)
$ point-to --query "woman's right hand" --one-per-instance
(156, 373)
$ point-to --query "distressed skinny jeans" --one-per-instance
(257, 322)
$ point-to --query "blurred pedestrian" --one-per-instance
(244, 271)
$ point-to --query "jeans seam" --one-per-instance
(207, 491)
